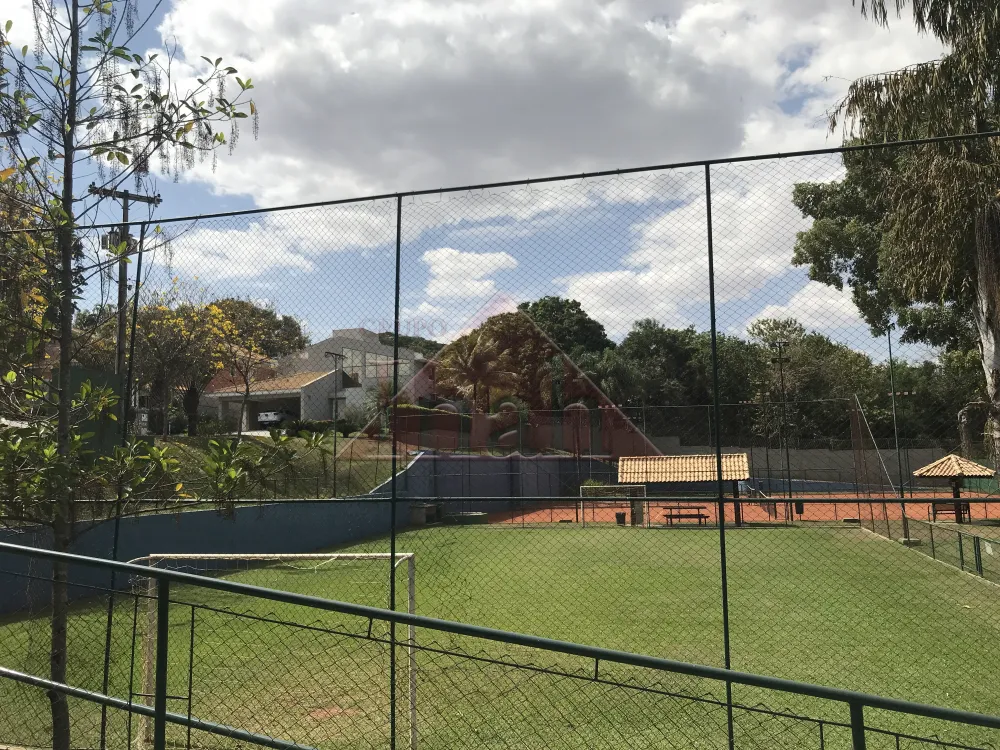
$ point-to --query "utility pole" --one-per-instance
(123, 237)
(780, 361)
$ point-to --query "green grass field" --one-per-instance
(837, 606)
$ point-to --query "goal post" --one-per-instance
(613, 490)
(604, 496)
(215, 564)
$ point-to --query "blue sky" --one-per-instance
(370, 96)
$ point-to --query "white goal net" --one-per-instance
(613, 490)
(632, 496)
(355, 577)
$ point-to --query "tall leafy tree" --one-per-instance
(474, 365)
(273, 335)
(567, 324)
(82, 107)
(941, 238)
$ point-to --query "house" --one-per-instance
(306, 395)
(322, 381)
(365, 360)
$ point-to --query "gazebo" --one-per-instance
(955, 469)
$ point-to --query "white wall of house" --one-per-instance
(362, 356)
(316, 398)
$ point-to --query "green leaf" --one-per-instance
(122, 158)
(43, 68)
(207, 59)
(8, 26)
(24, 51)
(32, 162)
(11, 376)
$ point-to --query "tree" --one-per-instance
(243, 339)
(941, 232)
(820, 380)
(567, 324)
(273, 335)
(25, 287)
(472, 362)
(84, 101)
(378, 401)
(179, 344)
(427, 347)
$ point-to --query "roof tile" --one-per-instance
(284, 383)
(953, 466)
(694, 468)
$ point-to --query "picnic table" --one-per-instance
(679, 512)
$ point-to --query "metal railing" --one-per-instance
(601, 671)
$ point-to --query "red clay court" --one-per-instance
(687, 512)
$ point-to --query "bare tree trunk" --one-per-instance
(987, 316)
(965, 429)
(165, 396)
(192, 397)
(244, 405)
(58, 647)
(61, 520)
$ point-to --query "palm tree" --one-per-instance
(473, 362)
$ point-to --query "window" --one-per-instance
(378, 366)
(353, 362)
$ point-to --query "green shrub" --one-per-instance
(294, 426)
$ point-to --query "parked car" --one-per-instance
(274, 418)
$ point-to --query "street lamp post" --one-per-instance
(336, 409)
(783, 429)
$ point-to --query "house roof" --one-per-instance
(953, 466)
(284, 383)
(695, 468)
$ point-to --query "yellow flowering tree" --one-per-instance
(177, 346)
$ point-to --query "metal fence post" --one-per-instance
(727, 654)
(190, 695)
(961, 552)
(160, 679)
(933, 553)
(394, 495)
(977, 552)
(858, 740)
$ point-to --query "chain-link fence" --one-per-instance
(214, 662)
(683, 411)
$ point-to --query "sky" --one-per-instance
(363, 97)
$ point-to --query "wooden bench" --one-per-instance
(948, 509)
(670, 516)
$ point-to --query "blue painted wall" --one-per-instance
(285, 527)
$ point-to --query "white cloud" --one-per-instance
(363, 96)
(460, 274)
(754, 225)
(370, 96)
(819, 308)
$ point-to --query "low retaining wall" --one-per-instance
(282, 527)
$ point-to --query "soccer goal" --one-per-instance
(357, 577)
(634, 493)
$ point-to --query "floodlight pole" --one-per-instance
(336, 409)
(895, 434)
(783, 432)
